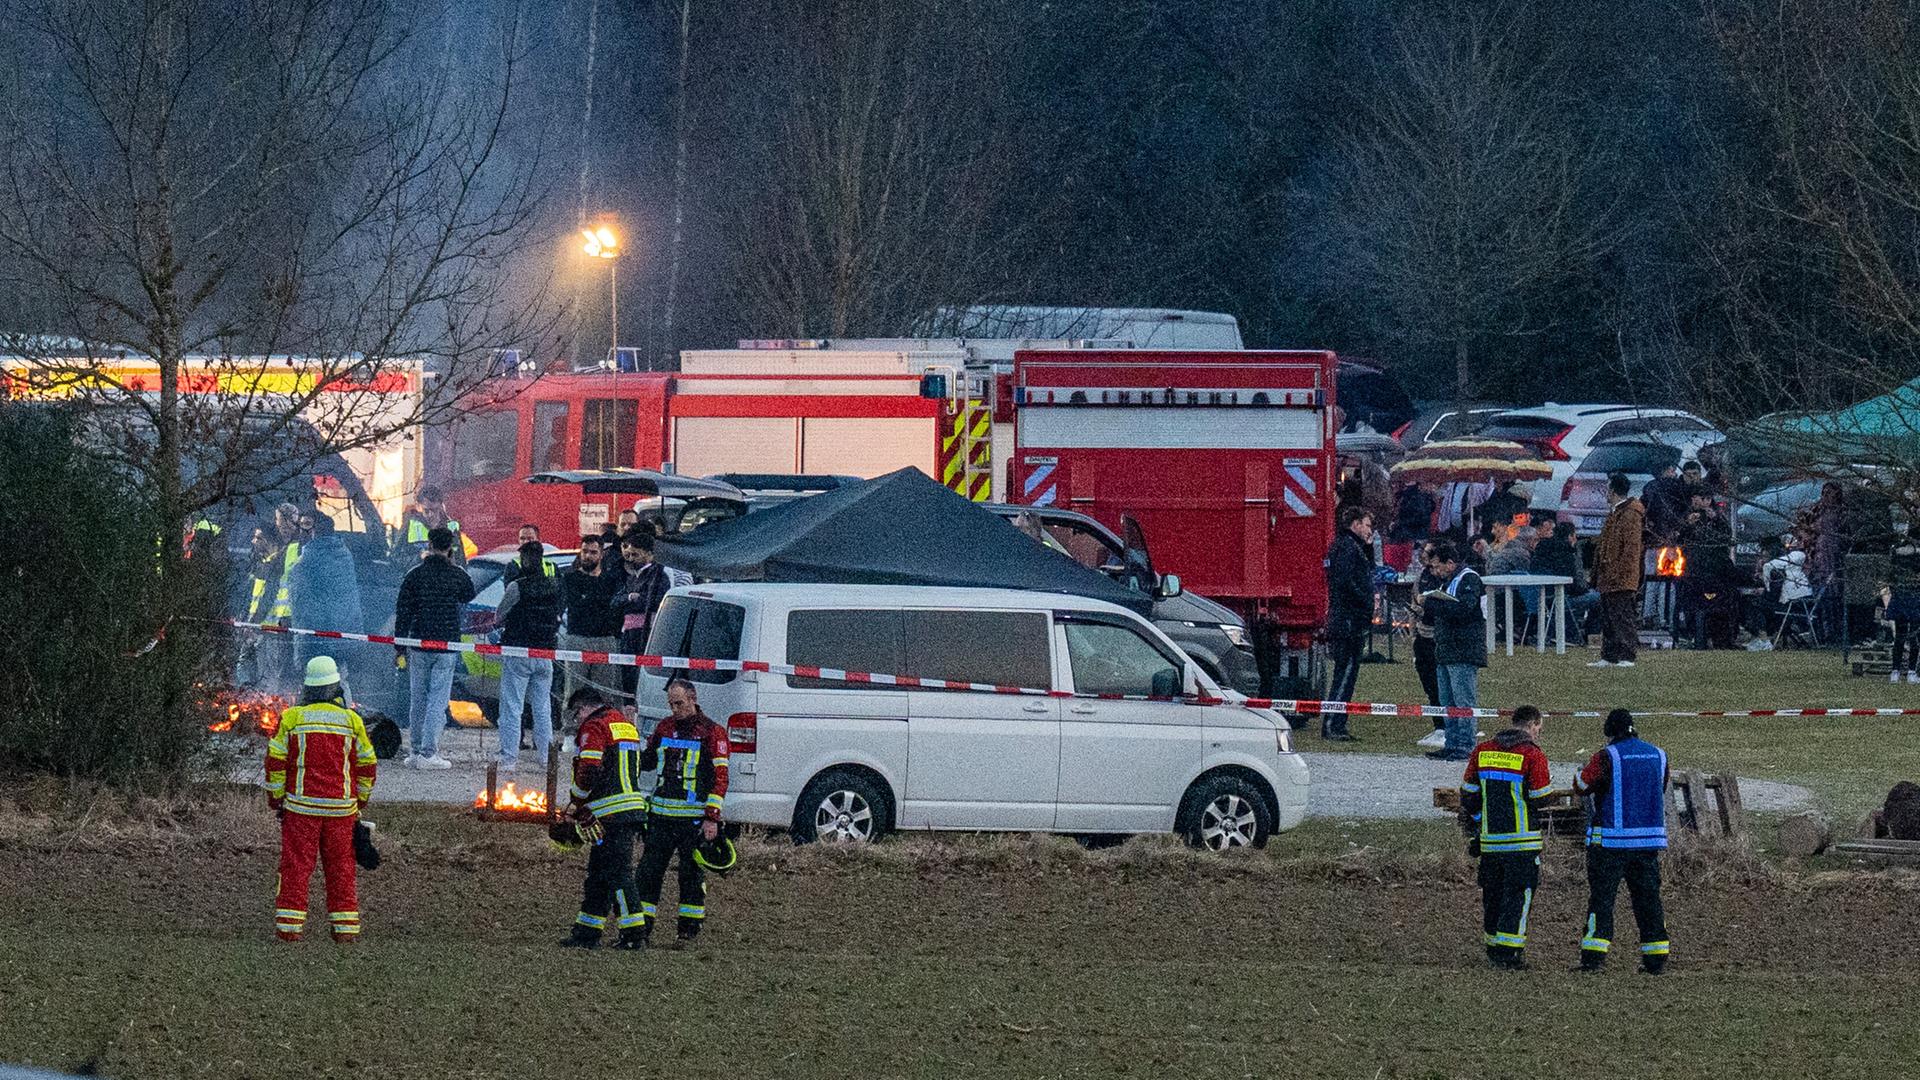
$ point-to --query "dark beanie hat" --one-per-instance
(1619, 724)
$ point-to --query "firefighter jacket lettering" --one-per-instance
(1506, 776)
(320, 762)
(691, 756)
(606, 771)
(1627, 783)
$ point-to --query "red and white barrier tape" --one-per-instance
(1299, 706)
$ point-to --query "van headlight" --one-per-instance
(1236, 634)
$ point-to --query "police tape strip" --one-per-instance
(1306, 706)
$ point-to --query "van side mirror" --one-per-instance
(1169, 585)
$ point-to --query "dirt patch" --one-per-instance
(1015, 956)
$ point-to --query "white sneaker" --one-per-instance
(1624, 663)
(1436, 739)
(1893, 676)
(434, 762)
(1600, 663)
(1913, 676)
(412, 762)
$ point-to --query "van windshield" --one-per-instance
(697, 628)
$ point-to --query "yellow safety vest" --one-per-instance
(417, 529)
(283, 598)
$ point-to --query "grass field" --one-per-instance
(1339, 952)
(1849, 762)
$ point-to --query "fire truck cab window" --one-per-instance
(607, 431)
(549, 435)
(698, 629)
(1111, 659)
(487, 446)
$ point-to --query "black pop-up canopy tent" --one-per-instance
(899, 529)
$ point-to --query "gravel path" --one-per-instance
(1392, 786)
(1345, 785)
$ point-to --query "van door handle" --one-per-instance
(1083, 708)
(1036, 707)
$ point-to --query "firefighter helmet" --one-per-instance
(718, 855)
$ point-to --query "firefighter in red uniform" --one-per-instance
(611, 808)
(690, 752)
(323, 745)
(1506, 779)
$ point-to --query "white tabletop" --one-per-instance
(1525, 579)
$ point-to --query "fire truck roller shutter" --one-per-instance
(1070, 427)
(706, 445)
(867, 447)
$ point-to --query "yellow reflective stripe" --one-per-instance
(300, 777)
(591, 755)
(624, 732)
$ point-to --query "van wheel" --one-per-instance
(841, 807)
(1222, 813)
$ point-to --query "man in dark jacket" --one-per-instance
(1459, 646)
(530, 619)
(428, 608)
(1349, 612)
(637, 597)
(1665, 499)
(586, 593)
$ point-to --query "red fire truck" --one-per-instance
(1224, 459)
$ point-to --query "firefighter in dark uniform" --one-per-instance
(609, 807)
(690, 753)
(1506, 779)
(1625, 785)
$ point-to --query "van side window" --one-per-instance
(1005, 648)
(1111, 659)
(698, 629)
(849, 640)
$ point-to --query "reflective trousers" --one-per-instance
(1508, 880)
(609, 895)
(305, 840)
(1640, 869)
(666, 838)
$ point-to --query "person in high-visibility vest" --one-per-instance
(607, 797)
(1625, 784)
(287, 520)
(687, 752)
(273, 653)
(427, 514)
(320, 774)
(1506, 780)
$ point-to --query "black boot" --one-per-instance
(1592, 961)
(687, 931)
(582, 937)
(634, 938)
(1653, 965)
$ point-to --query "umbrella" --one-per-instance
(1463, 449)
(1468, 470)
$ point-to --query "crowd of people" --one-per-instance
(303, 575)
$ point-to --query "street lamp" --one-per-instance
(601, 243)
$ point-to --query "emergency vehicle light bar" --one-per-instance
(1199, 396)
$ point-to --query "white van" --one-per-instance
(850, 761)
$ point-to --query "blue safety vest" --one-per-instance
(1632, 812)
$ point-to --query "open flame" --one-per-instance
(533, 802)
(258, 713)
(1670, 562)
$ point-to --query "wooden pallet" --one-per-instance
(1706, 803)
(1892, 851)
(1560, 815)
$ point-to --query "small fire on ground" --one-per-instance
(532, 802)
(259, 713)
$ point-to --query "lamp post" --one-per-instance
(601, 243)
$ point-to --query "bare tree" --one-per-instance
(1458, 192)
(203, 185)
(876, 165)
(1815, 250)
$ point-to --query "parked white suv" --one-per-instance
(1562, 435)
(836, 759)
